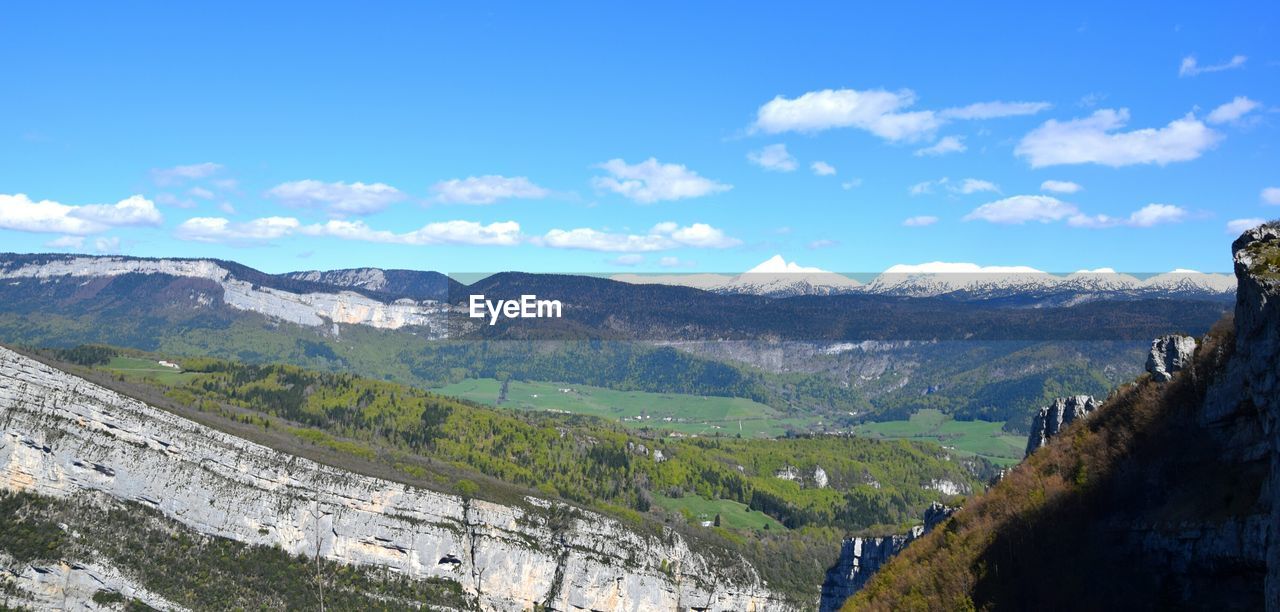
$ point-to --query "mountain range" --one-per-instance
(776, 277)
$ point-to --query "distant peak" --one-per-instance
(778, 265)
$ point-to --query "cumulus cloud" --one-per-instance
(266, 229)
(1232, 111)
(201, 192)
(1190, 67)
(1020, 209)
(487, 189)
(822, 168)
(877, 111)
(219, 230)
(993, 110)
(19, 212)
(66, 242)
(107, 245)
(180, 174)
(773, 157)
(661, 237)
(926, 187)
(651, 181)
(1271, 195)
(1060, 186)
(945, 145)
(1239, 226)
(972, 185)
(339, 199)
(1095, 140)
(883, 113)
(503, 233)
(920, 221)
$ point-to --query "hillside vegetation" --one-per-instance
(1056, 532)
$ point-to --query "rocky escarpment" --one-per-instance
(1053, 418)
(1170, 354)
(860, 558)
(60, 435)
(311, 308)
(1252, 388)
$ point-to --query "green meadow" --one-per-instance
(983, 438)
(688, 414)
(733, 515)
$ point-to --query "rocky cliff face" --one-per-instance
(860, 558)
(60, 435)
(312, 308)
(1053, 418)
(1168, 355)
(1253, 387)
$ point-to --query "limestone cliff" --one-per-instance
(60, 435)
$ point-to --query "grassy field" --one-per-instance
(149, 368)
(984, 438)
(733, 515)
(689, 414)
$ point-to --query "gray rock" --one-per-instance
(860, 558)
(60, 435)
(1052, 418)
(1168, 355)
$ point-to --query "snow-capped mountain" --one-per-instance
(776, 277)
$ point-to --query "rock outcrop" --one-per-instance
(861, 557)
(1168, 355)
(60, 434)
(1053, 418)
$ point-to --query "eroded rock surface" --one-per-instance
(60, 434)
(1053, 418)
(1168, 355)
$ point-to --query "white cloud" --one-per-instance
(1020, 209)
(219, 230)
(1156, 214)
(338, 198)
(201, 192)
(1094, 139)
(993, 110)
(920, 221)
(877, 111)
(1232, 111)
(266, 229)
(1271, 195)
(945, 145)
(1190, 67)
(852, 183)
(504, 233)
(822, 168)
(1239, 226)
(66, 242)
(674, 262)
(1060, 186)
(487, 189)
(972, 185)
(662, 236)
(18, 212)
(179, 174)
(650, 181)
(926, 187)
(168, 199)
(822, 243)
(630, 259)
(773, 157)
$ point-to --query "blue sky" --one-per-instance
(502, 136)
